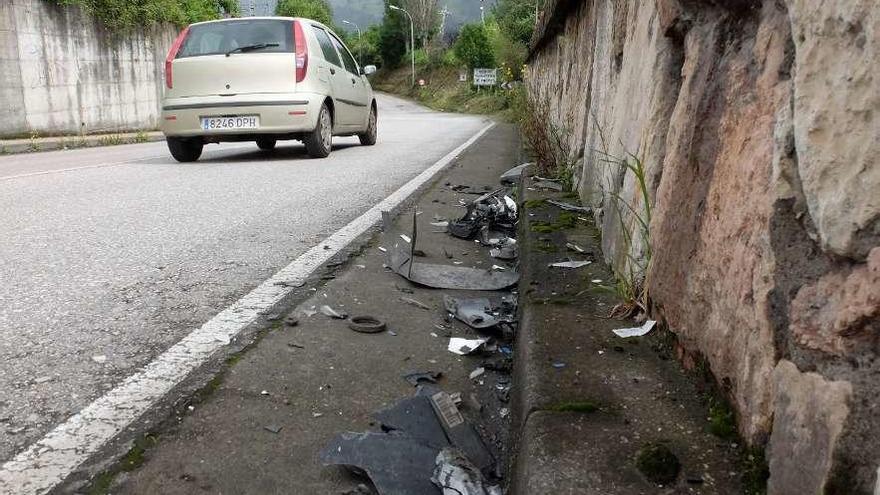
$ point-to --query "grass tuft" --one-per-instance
(582, 406)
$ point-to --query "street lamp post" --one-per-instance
(412, 40)
(360, 45)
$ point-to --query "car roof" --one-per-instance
(229, 19)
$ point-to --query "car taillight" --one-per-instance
(302, 51)
(172, 54)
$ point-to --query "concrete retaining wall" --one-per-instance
(62, 72)
(758, 123)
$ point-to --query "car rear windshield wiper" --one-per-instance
(250, 48)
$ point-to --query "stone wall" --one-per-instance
(758, 125)
(62, 72)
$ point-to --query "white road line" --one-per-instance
(103, 165)
(50, 460)
(84, 167)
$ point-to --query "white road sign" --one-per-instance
(485, 77)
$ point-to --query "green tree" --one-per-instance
(517, 19)
(318, 10)
(365, 48)
(473, 47)
(509, 53)
(124, 15)
(393, 36)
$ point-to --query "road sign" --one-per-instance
(485, 77)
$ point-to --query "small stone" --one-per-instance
(273, 428)
(43, 379)
(291, 321)
(100, 359)
(264, 392)
(694, 479)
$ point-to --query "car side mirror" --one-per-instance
(369, 69)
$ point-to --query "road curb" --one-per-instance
(556, 448)
(17, 146)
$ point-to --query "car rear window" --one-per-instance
(216, 38)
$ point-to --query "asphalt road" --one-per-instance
(108, 256)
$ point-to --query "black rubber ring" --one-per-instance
(366, 324)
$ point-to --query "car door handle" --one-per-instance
(332, 71)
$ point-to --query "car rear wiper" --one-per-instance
(250, 48)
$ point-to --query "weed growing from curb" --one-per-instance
(581, 406)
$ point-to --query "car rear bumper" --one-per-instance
(279, 113)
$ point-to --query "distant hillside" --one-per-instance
(368, 12)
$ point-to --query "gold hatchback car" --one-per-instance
(264, 79)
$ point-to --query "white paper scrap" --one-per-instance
(636, 331)
(570, 264)
(464, 346)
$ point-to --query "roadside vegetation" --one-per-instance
(443, 54)
(125, 15)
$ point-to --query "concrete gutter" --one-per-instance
(587, 403)
(9, 146)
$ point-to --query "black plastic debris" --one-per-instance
(456, 475)
(398, 464)
(414, 416)
(475, 312)
(501, 364)
(402, 459)
(399, 258)
(416, 378)
(513, 176)
(361, 489)
(460, 432)
(491, 210)
(504, 248)
(481, 312)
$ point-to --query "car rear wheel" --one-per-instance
(320, 141)
(368, 138)
(266, 144)
(185, 150)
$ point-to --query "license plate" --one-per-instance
(231, 123)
